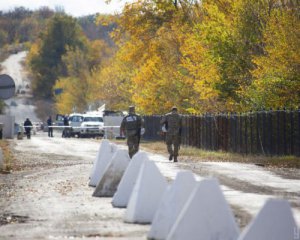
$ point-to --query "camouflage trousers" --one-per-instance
(133, 143)
(173, 143)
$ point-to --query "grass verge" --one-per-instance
(7, 156)
(195, 154)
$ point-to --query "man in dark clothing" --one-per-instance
(27, 127)
(173, 124)
(50, 129)
(131, 125)
(66, 131)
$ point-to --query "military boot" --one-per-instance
(170, 157)
(175, 159)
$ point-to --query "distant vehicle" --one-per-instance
(91, 126)
(59, 120)
(75, 120)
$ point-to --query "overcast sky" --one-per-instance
(73, 7)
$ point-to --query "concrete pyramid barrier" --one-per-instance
(126, 185)
(105, 153)
(104, 142)
(146, 195)
(112, 175)
(171, 205)
(206, 215)
(274, 221)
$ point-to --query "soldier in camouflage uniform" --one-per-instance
(131, 125)
(173, 124)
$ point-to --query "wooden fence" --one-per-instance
(273, 132)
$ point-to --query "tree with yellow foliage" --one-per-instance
(277, 76)
(113, 83)
(78, 89)
(215, 56)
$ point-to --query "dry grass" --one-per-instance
(7, 156)
(195, 154)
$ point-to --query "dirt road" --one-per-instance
(49, 198)
(21, 105)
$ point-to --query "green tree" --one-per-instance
(47, 66)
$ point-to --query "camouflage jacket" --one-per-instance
(172, 122)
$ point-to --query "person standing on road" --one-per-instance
(131, 126)
(28, 127)
(66, 132)
(173, 125)
(50, 128)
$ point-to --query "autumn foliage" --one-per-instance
(202, 56)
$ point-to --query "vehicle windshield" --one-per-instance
(75, 118)
(93, 119)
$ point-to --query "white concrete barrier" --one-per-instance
(105, 153)
(105, 142)
(275, 221)
(146, 195)
(112, 175)
(99, 153)
(206, 215)
(126, 185)
(174, 198)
